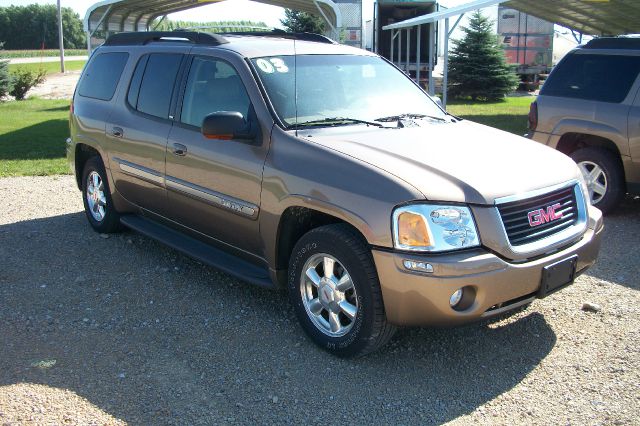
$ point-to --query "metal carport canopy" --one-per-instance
(593, 17)
(137, 15)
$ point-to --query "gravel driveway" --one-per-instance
(100, 330)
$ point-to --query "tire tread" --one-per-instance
(383, 331)
(111, 223)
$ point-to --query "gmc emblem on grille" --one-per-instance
(542, 216)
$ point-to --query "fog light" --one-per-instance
(418, 266)
(455, 298)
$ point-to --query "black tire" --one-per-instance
(110, 222)
(369, 330)
(613, 173)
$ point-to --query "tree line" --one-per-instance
(36, 26)
(216, 27)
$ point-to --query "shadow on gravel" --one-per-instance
(152, 337)
(620, 252)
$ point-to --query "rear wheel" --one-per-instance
(605, 179)
(335, 291)
(96, 197)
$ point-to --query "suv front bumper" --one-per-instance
(412, 298)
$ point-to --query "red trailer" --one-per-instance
(527, 42)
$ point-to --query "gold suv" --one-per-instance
(292, 162)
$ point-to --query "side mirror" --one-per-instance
(226, 125)
(438, 101)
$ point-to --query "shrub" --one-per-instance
(5, 78)
(24, 79)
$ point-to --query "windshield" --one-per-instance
(345, 89)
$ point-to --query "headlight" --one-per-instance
(424, 227)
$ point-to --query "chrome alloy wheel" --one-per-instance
(328, 295)
(96, 199)
(596, 180)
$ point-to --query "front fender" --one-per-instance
(299, 173)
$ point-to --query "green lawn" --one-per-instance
(50, 67)
(32, 132)
(32, 137)
(510, 114)
(39, 53)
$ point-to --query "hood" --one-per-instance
(456, 162)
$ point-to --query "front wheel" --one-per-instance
(603, 173)
(334, 288)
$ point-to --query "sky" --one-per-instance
(236, 10)
(228, 10)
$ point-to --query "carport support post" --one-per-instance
(408, 47)
(399, 48)
(432, 36)
(60, 37)
(418, 55)
(393, 36)
(445, 74)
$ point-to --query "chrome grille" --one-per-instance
(515, 216)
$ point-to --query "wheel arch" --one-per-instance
(296, 221)
(83, 153)
(572, 141)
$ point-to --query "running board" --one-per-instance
(198, 250)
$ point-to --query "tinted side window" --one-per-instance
(213, 85)
(604, 78)
(157, 84)
(136, 80)
(102, 75)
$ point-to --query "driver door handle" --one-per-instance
(179, 150)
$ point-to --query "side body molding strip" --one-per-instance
(140, 172)
(216, 199)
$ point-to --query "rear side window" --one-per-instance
(153, 82)
(136, 79)
(604, 78)
(102, 75)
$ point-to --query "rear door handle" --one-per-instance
(117, 132)
(179, 149)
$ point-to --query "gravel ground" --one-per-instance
(114, 330)
(57, 86)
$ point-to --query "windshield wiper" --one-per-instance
(400, 117)
(336, 121)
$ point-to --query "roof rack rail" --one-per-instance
(145, 37)
(318, 38)
(613, 43)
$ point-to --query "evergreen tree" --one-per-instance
(477, 67)
(5, 78)
(302, 22)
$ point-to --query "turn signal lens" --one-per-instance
(412, 230)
